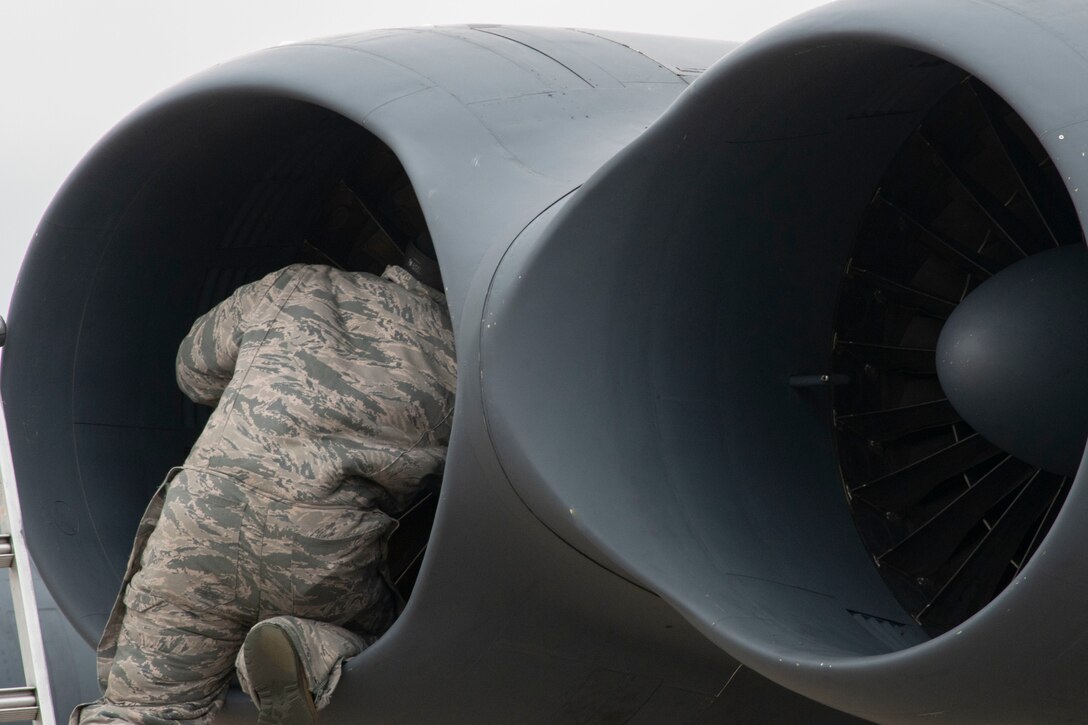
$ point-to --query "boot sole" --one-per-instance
(278, 678)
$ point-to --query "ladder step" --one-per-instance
(18, 703)
(7, 554)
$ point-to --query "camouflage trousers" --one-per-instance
(219, 558)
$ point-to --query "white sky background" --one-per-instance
(70, 70)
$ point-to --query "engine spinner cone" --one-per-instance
(1013, 356)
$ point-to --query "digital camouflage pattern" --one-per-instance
(347, 385)
(333, 393)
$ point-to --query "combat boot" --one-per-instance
(277, 678)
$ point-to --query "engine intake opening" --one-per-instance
(167, 216)
(664, 391)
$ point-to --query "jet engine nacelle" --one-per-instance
(703, 436)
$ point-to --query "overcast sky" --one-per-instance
(70, 70)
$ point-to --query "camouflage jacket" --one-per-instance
(328, 386)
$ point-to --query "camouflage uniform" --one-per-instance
(333, 394)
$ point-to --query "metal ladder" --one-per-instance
(35, 701)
